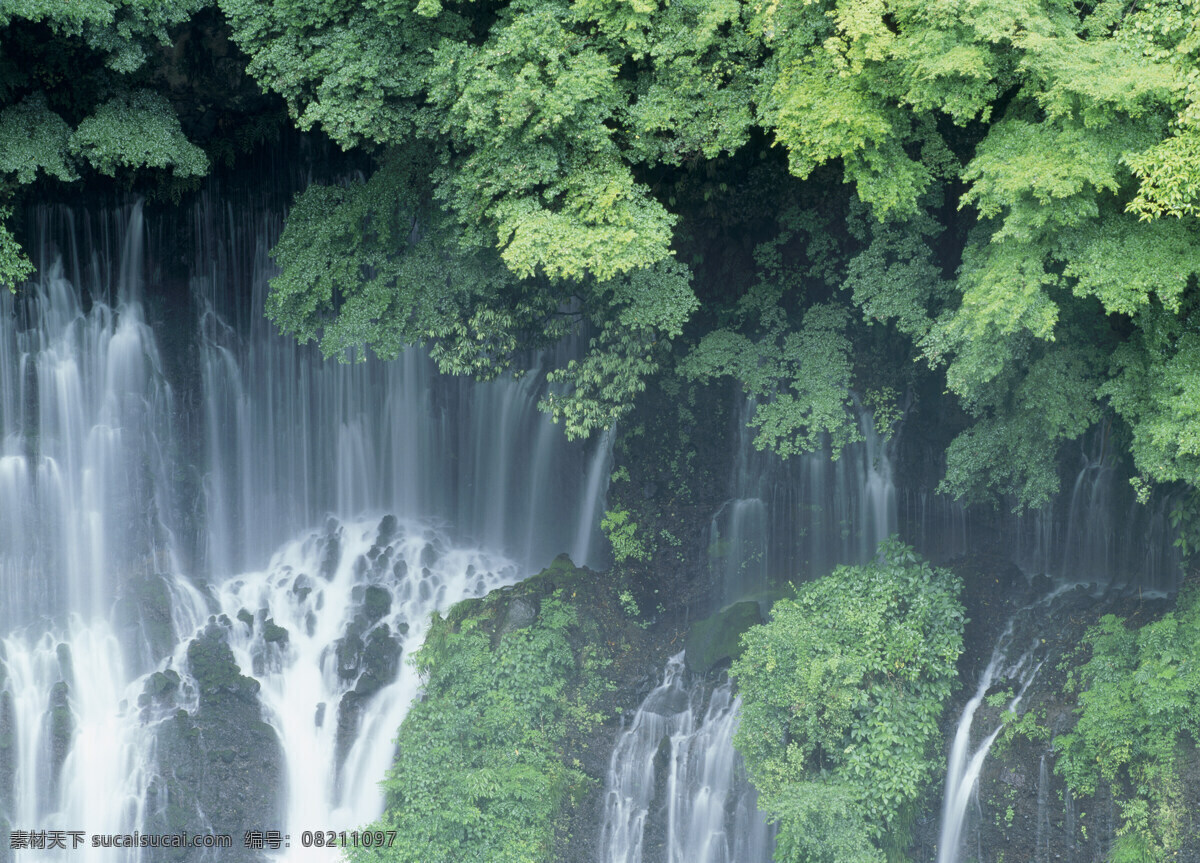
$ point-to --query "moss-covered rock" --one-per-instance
(161, 684)
(221, 768)
(217, 675)
(518, 684)
(143, 610)
(717, 639)
(377, 603)
(8, 751)
(273, 633)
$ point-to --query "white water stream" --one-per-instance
(166, 460)
(309, 677)
(966, 761)
(698, 806)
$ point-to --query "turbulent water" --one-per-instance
(170, 467)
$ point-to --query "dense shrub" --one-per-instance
(479, 773)
(842, 691)
(1139, 702)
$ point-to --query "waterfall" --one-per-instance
(1069, 825)
(799, 518)
(594, 493)
(290, 436)
(694, 806)
(965, 762)
(1041, 842)
(86, 431)
(1101, 534)
(350, 618)
(176, 477)
(1095, 531)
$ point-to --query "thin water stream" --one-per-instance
(676, 790)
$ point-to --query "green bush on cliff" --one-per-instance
(1139, 702)
(842, 691)
(479, 774)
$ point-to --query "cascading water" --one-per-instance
(85, 427)
(1069, 826)
(799, 518)
(1095, 531)
(324, 628)
(290, 436)
(1041, 842)
(1099, 532)
(698, 807)
(161, 473)
(787, 520)
(965, 762)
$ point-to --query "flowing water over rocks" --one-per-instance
(204, 606)
(217, 551)
(676, 790)
(966, 760)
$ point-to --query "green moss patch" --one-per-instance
(717, 638)
(487, 768)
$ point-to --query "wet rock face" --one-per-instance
(519, 614)
(332, 551)
(1026, 812)
(371, 663)
(61, 726)
(222, 761)
(389, 528)
(717, 639)
(381, 661)
(377, 603)
(8, 754)
(160, 688)
(143, 611)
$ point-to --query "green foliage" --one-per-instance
(359, 267)
(137, 130)
(523, 111)
(14, 266)
(842, 692)
(1185, 520)
(798, 366)
(1027, 726)
(643, 311)
(1154, 385)
(33, 138)
(125, 32)
(804, 376)
(377, 263)
(622, 532)
(555, 136)
(628, 603)
(1139, 701)
(1012, 446)
(70, 98)
(1007, 192)
(1170, 177)
(479, 774)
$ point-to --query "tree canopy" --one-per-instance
(993, 200)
